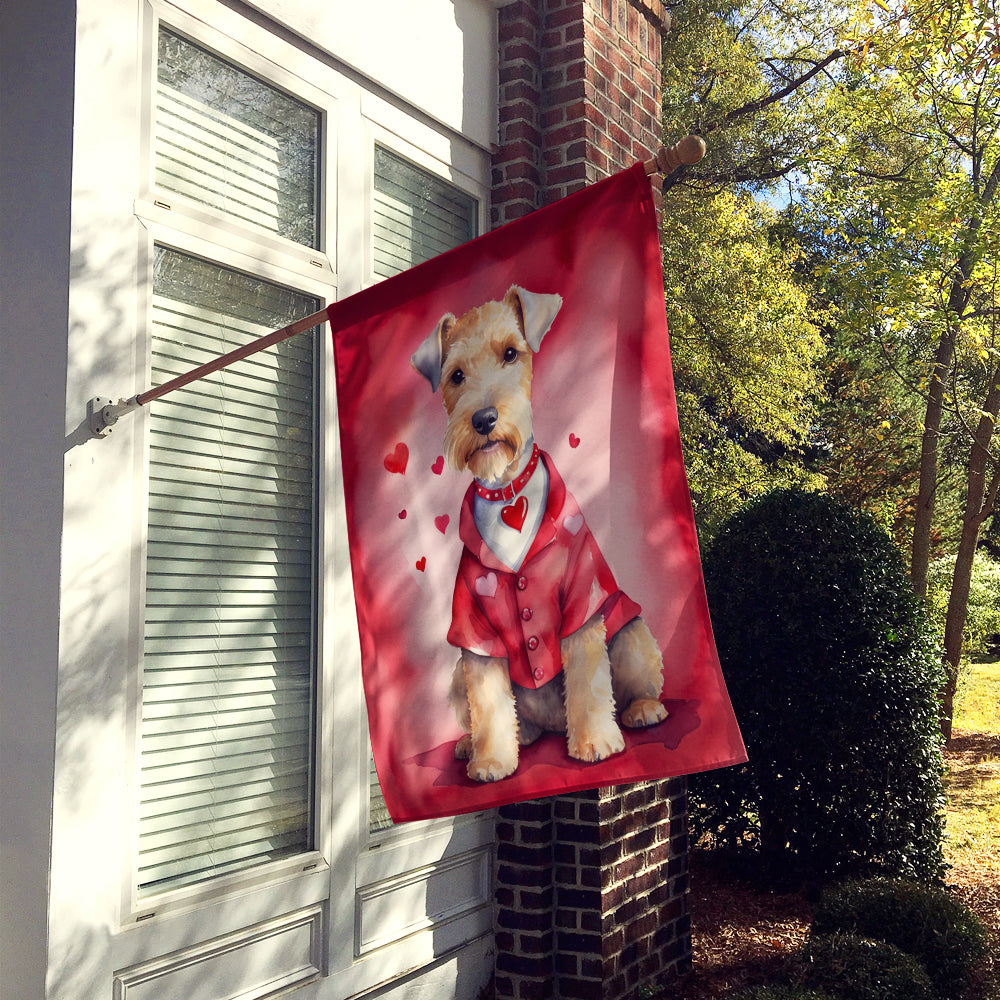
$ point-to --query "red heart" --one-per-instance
(574, 441)
(438, 465)
(402, 515)
(513, 515)
(422, 563)
(396, 461)
(441, 523)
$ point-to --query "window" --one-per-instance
(227, 140)
(228, 678)
(251, 808)
(229, 647)
(416, 215)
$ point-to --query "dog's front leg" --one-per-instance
(492, 717)
(591, 730)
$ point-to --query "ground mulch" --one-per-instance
(742, 934)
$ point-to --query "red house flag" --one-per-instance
(530, 604)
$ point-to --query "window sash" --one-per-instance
(229, 662)
(228, 140)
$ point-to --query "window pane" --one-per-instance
(228, 656)
(416, 217)
(228, 140)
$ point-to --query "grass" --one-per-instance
(973, 783)
(973, 809)
(978, 697)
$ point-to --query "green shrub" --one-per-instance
(833, 673)
(856, 968)
(925, 922)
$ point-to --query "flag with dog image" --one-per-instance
(530, 606)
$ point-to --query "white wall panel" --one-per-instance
(253, 964)
(415, 50)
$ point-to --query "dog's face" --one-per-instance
(483, 363)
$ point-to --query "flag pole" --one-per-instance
(103, 413)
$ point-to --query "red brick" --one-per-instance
(518, 111)
(581, 989)
(518, 49)
(563, 54)
(521, 91)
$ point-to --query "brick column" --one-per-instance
(579, 96)
(591, 889)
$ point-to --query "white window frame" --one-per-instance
(350, 872)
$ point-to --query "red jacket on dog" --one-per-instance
(522, 616)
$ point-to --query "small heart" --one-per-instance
(573, 523)
(402, 515)
(513, 515)
(396, 461)
(438, 465)
(422, 563)
(441, 523)
(486, 586)
(574, 441)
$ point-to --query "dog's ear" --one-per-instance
(427, 358)
(536, 311)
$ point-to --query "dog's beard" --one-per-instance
(491, 459)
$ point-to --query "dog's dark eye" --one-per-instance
(510, 355)
(457, 377)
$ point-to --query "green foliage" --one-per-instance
(745, 344)
(746, 355)
(856, 968)
(983, 612)
(924, 921)
(833, 673)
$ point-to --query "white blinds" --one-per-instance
(227, 682)
(415, 217)
(225, 139)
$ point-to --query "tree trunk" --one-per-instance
(980, 499)
(958, 299)
(920, 553)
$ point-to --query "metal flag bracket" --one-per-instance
(103, 413)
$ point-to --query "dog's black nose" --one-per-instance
(484, 420)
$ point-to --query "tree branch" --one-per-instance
(754, 106)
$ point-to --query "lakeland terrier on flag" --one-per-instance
(549, 641)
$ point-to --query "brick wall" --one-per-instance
(579, 96)
(591, 893)
(591, 889)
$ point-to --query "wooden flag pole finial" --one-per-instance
(688, 151)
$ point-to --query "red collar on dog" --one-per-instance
(512, 489)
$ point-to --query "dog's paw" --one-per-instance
(463, 748)
(644, 712)
(489, 769)
(592, 747)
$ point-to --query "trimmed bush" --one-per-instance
(925, 922)
(856, 968)
(833, 672)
